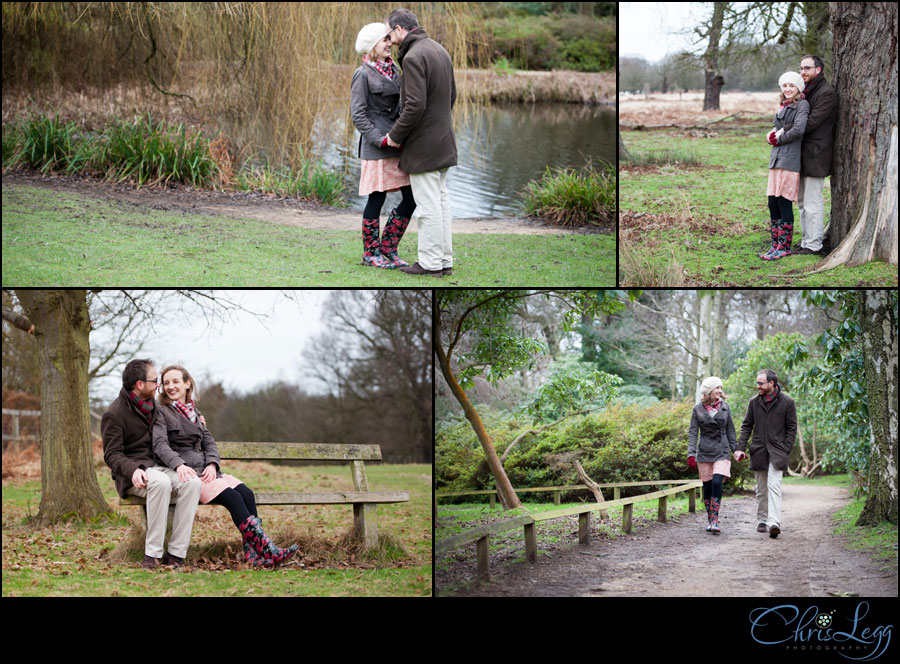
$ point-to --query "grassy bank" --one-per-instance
(703, 223)
(53, 238)
(100, 559)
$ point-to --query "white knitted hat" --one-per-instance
(709, 385)
(369, 36)
(787, 77)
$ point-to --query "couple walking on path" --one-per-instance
(157, 449)
(406, 142)
(771, 419)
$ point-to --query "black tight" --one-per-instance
(240, 501)
(376, 202)
(713, 487)
(781, 208)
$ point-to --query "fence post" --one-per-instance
(483, 565)
(556, 497)
(493, 500)
(530, 543)
(584, 528)
(661, 511)
(626, 517)
(692, 500)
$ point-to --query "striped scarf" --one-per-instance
(144, 407)
(769, 399)
(713, 408)
(187, 409)
(385, 68)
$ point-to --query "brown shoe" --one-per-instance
(417, 269)
(174, 561)
(447, 271)
(804, 250)
(774, 531)
(149, 562)
(761, 528)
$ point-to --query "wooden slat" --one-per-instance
(474, 535)
(299, 451)
(312, 498)
(593, 507)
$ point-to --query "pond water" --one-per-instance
(501, 148)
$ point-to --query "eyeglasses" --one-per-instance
(802, 69)
(155, 381)
(763, 383)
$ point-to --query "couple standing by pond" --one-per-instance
(159, 448)
(406, 142)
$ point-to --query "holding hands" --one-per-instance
(185, 472)
(739, 456)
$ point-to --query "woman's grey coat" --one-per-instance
(374, 106)
(177, 440)
(711, 438)
(792, 119)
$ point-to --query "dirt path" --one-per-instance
(681, 559)
(262, 207)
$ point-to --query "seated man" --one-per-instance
(126, 429)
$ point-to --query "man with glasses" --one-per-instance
(772, 419)
(815, 153)
(425, 132)
(127, 432)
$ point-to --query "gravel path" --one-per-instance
(681, 559)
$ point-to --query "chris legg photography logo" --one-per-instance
(838, 631)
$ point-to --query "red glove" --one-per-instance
(772, 139)
(692, 463)
(384, 142)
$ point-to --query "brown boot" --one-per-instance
(417, 269)
(149, 562)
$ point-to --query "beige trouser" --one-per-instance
(768, 495)
(812, 212)
(161, 483)
(433, 215)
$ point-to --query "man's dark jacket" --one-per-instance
(818, 141)
(427, 94)
(127, 441)
(774, 431)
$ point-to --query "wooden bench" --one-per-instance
(364, 501)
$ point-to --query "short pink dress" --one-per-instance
(784, 183)
(708, 469)
(209, 490)
(381, 175)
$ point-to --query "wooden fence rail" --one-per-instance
(557, 490)
(481, 535)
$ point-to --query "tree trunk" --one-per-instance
(879, 345)
(508, 497)
(593, 486)
(68, 479)
(863, 223)
(624, 155)
(714, 81)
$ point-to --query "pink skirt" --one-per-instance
(209, 490)
(707, 469)
(784, 183)
(381, 175)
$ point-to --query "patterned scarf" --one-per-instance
(769, 399)
(144, 407)
(795, 99)
(713, 408)
(385, 68)
(187, 409)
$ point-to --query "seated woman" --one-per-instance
(182, 442)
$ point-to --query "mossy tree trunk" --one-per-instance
(879, 342)
(62, 325)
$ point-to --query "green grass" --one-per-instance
(101, 559)
(567, 197)
(55, 238)
(705, 225)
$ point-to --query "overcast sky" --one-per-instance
(651, 30)
(243, 353)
